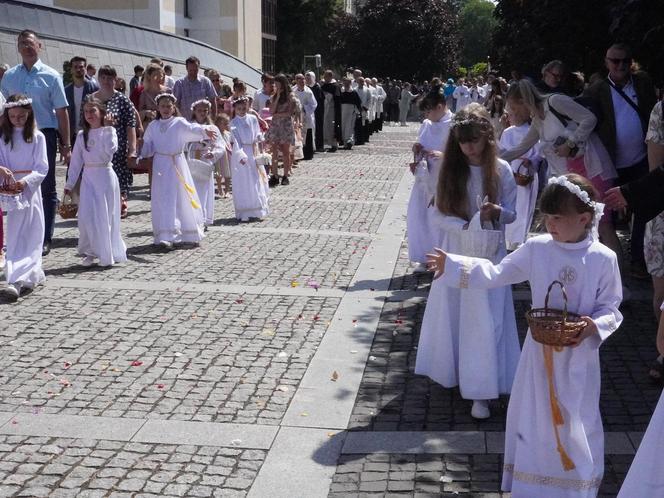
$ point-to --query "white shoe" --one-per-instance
(480, 409)
(419, 268)
(165, 244)
(88, 261)
(13, 290)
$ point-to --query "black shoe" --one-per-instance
(332, 149)
(285, 180)
(46, 248)
(273, 181)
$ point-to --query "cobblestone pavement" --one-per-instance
(70, 468)
(447, 476)
(199, 372)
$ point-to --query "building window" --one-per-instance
(187, 12)
(269, 16)
(186, 33)
(269, 55)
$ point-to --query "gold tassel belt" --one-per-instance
(187, 188)
(556, 413)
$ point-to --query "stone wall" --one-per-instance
(66, 34)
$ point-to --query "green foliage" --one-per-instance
(532, 32)
(461, 72)
(302, 28)
(405, 39)
(476, 24)
(479, 69)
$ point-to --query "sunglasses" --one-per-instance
(626, 60)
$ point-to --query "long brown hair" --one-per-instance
(284, 95)
(90, 100)
(469, 124)
(8, 128)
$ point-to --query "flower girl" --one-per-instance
(23, 166)
(176, 210)
(250, 187)
(99, 205)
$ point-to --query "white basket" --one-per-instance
(12, 202)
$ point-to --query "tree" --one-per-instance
(476, 24)
(530, 33)
(533, 32)
(404, 39)
(302, 29)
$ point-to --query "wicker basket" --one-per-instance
(67, 209)
(554, 327)
(521, 179)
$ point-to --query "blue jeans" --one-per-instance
(48, 187)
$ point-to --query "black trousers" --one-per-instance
(359, 131)
(48, 186)
(626, 175)
(308, 146)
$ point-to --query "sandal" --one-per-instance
(656, 372)
(123, 207)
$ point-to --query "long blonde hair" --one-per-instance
(469, 124)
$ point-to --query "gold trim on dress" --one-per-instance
(559, 482)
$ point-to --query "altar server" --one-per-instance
(351, 107)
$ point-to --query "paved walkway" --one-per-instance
(275, 360)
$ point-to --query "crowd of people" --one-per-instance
(196, 137)
(581, 156)
(489, 152)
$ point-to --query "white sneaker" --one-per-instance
(88, 261)
(419, 268)
(165, 244)
(13, 290)
(480, 409)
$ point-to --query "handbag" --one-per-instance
(478, 241)
(201, 169)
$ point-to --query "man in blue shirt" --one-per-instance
(43, 85)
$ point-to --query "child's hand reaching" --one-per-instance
(434, 154)
(212, 134)
(109, 119)
(489, 212)
(588, 331)
(436, 262)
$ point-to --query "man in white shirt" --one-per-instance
(381, 95)
(477, 93)
(76, 91)
(306, 97)
(362, 132)
(625, 100)
(262, 95)
(461, 94)
(169, 81)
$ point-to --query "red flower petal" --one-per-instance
(136, 363)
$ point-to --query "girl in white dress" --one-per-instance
(23, 166)
(176, 210)
(99, 209)
(223, 123)
(250, 186)
(206, 150)
(554, 441)
(527, 164)
(645, 476)
(429, 146)
(468, 337)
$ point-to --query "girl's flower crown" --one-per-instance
(205, 102)
(583, 196)
(18, 103)
(166, 95)
(469, 119)
(241, 99)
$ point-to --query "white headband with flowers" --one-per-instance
(205, 102)
(18, 103)
(165, 95)
(582, 195)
